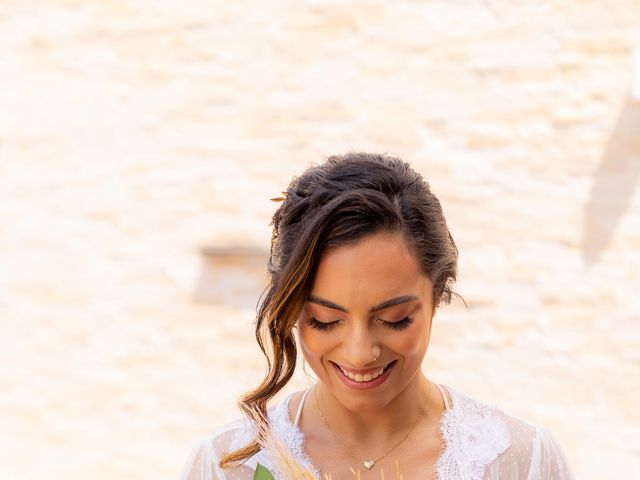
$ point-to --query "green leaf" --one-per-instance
(262, 474)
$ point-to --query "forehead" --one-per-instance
(370, 270)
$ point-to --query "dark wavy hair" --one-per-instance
(342, 200)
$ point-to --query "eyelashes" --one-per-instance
(315, 323)
(399, 325)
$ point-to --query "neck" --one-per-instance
(383, 423)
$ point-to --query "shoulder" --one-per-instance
(475, 434)
(207, 451)
(240, 431)
(481, 437)
(485, 417)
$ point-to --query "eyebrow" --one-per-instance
(386, 304)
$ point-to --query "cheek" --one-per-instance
(313, 344)
(414, 345)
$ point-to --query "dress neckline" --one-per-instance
(297, 433)
(443, 395)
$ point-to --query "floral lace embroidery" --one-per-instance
(291, 436)
(474, 437)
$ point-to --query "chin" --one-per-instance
(361, 403)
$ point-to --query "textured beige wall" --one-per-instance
(132, 134)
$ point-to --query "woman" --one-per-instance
(361, 258)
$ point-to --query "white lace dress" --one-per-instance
(481, 443)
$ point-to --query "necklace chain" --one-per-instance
(370, 463)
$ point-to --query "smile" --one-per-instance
(372, 377)
(363, 378)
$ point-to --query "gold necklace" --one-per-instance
(369, 463)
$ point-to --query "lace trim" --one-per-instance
(474, 438)
(291, 435)
(245, 431)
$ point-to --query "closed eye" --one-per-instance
(325, 326)
(400, 324)
(315, 323)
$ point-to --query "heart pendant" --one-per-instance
(368, 464)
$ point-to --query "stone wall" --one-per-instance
(134, 134)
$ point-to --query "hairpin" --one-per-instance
(280, 199)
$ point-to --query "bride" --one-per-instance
(361, 258)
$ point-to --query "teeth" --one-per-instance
(362, 378)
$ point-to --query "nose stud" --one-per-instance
(375, 353)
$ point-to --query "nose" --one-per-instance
(359, 347)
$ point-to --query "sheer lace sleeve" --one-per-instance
(548, 461)
(202, 462)
(533, 454)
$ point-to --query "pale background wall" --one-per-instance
(132, 134)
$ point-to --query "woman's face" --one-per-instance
(367, 297)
